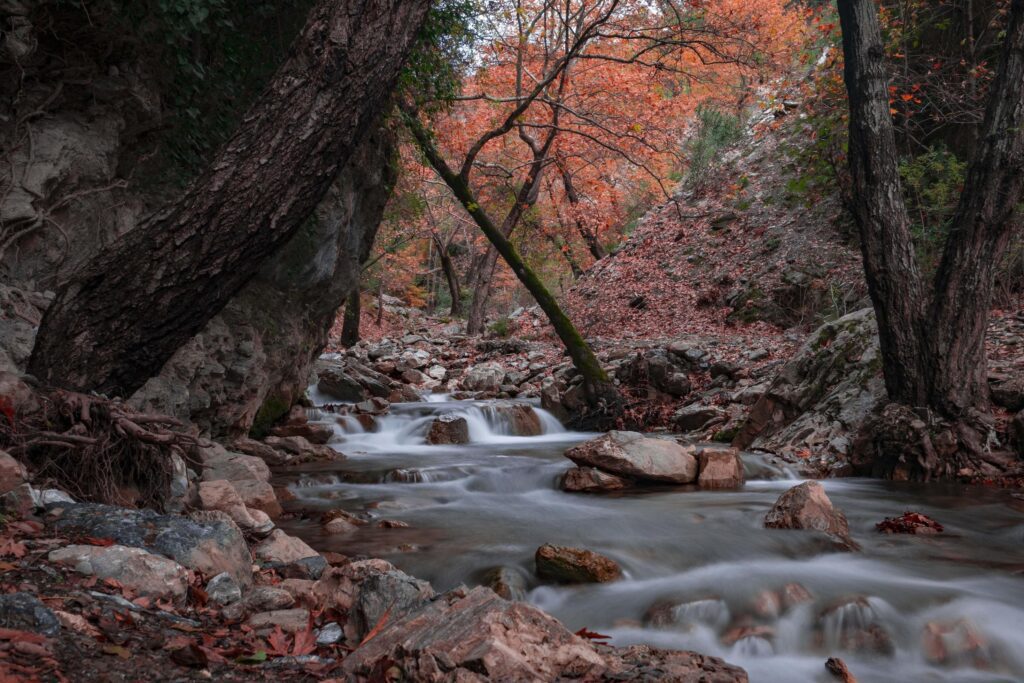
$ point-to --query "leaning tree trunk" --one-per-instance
(350, 321)
(450, 274)
(600, 392)
(124, 314)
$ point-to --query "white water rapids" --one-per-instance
(704, 554)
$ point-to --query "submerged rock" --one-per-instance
(574, 565)
(449, 428)
(630, 454)
(590, 480)
(507, 582)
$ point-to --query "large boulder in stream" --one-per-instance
(632, 455)
(720, 468)
(806, 506)
(575, 565)
(475, 635)
(519, 419)
(449, 428)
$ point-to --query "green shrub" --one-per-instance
(716, 130)
(931, 185)
(502, 327)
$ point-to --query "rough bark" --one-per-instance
(350, 322)
(932, 347)
(451, 276)
(588, 235)
(124, 314)
(595, 380)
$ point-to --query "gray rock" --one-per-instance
(24, 612)
(631, 455)
(223, 589)
(210, 547)
(484, 377)
(696, 416)
(329, 634)
(140, 571)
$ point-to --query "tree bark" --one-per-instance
(350, 321)
(595, 380)
(588, 235)
(124, 314)
(450, 274)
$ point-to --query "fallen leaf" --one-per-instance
(591, 635)
(257, 657)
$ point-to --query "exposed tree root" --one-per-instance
(100, 450)
(904, 443)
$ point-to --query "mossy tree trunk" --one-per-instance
(350, 321)
(596, 383)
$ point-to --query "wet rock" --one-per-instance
(223, 589)
(955, 643)
(794, 594)
(209, 547)
(574, 565)
(449, 428)
(630, 454)
(141, 572)
(221, 495)
(507, 582)
(854, 626)
(590, 480)
(373, 406)
(720, 468)
(909, 523)
(258, 495)
(806, 506)
(220, 463)
(314, 433)
(697, 416)
(12, 473)
(265, 452)
(519, 418)
(300, 447)
(486, 377)
(392, 524)
(335, 382)
(289, 620)
(281, 549)
(711, 612)
(339, 525)
(644, 663)
(738, 633)
(24, 612)
(475, 635)
(839, 670)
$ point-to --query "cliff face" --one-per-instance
(80, 113)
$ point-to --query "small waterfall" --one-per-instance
(710, 612)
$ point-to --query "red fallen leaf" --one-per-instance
(909, 523)
(142, 602)
(14, 635)
(8, 546)
(377, 627)
(91, 540)
(277, 642)
(7, 408)
(305, 642)
(591, 635)
(27, 526)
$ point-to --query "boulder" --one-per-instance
(852, 624)
(223, 589)
(956, 643)
(300, 447)
(720, 468)
(259, 599)
(697, 416)
(209, 547)
(258, 495)
(24, 612)
(589, 479)
(519, 419)
(12, 473)
(806, 506)
(220, 463)
(475, 635)
(141, 572)
(631, 455)
(574, 565)
(281, 549)
(487, 377)
(311, 431)
(335, 382)
(1008, 392)
(448, 429)
(221, 495)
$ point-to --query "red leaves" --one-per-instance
(281, 645)
(11, 547)
(909, 523)
(591, 635)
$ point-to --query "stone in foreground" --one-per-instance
(630, 454)
(477, 636)
(143, 573)
(574, 565)
(720, 468)
(590, 480)
(448, 429)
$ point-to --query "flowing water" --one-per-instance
(775, 602)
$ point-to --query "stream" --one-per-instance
(704, 555)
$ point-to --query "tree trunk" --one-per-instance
(450, 275)
(595, 381)
(380, 301)
(350, 322)
(124, 314)
(588, 235)
(932, 341)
